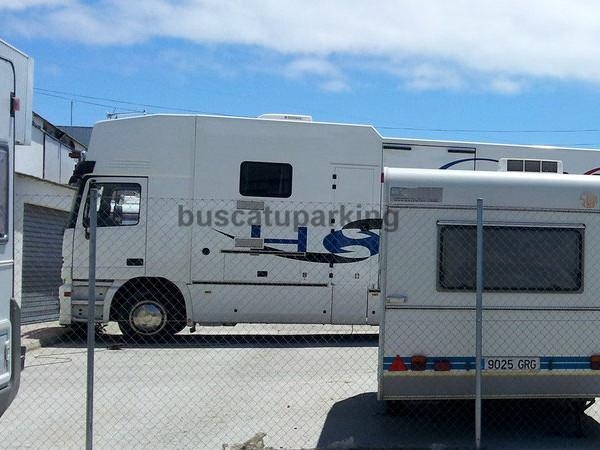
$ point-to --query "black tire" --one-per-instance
(78, 329)
(150, 316)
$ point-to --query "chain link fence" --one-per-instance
(539, 374)
(261, 328)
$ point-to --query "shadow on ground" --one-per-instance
(44, 333)
(506, 424)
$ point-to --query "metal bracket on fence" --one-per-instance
(91, 319)
(478, 322)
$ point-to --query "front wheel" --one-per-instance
(150, 316)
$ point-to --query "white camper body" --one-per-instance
(540, 302)
(16, 84)
(324, 270)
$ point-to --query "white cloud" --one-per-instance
(19, 5)
(330, 77)
(454, 40)
(311, 66)
(334, 86)
(427, 77)
(506, 86)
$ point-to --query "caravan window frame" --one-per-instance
(497, 274)
(246, 188)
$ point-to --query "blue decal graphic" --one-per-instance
(458, 161)
(300, 241)
(337, 242)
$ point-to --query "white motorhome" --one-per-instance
(540, 301)
(16, 84)
(203, 194)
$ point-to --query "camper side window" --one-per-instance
(4, 177)
(516, 258)
(265, 179)
(118, 204)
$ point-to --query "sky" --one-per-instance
(516, 71)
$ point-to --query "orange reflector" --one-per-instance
(418, 362)
(595, 362)
(442, 365)
(397, 365)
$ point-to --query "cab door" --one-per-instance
(120, 232)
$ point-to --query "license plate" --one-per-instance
(511, 364)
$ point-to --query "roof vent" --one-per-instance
(297, 117)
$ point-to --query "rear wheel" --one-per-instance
(148, 316)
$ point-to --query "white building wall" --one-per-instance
(29, 159)
(52, 160)
(46, 158)
(34, 192)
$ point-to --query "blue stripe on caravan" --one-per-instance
(468, 362)
(565, 362)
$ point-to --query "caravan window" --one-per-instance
(516, 258)
(265, 179)
(4, 177)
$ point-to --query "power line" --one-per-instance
(88, 102)
(124, 102)
(76, 97)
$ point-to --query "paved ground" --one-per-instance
(303, 387)
(46, 334)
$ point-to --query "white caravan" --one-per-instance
(540, 302)
(206, 239)
(16, 84)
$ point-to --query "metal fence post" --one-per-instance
(478, 322)
(91, 324)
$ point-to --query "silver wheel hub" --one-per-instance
(147, 317)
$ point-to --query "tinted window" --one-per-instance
(516, 258)
(264, 179)
(118, 204)
(549, 166)
(4, 193)
(532, 166)
(514, 165)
